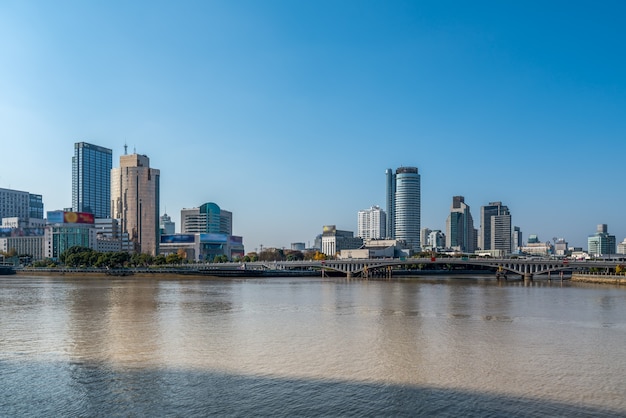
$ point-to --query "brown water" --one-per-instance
(310, 347)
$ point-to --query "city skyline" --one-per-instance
(288, 114)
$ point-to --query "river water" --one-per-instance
(289, 347)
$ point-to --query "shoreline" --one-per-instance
(600, 279)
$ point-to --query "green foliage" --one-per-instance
(173, 259)
(220, 259)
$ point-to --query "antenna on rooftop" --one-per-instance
(125, 148)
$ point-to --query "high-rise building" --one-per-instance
(372, 223)
(517, 239)
(18, 204)
(495, 228)
(135, 195)
(91, 179)
(208, 218)
(391, 193)
(166, 225)
(460, 232)
(436, 240)
(601, 243)
(404, 206)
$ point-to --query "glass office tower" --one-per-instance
(91, 179)
(404, 206)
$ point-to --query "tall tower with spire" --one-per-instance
(135, 195)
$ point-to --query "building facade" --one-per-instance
(495, 228)
(166, 226)
(68, 229)
(91, 179)
(335, 240)
(372, 223)
(19, 204)
(460, 232)
(601, 243)
(202, 247)
(135, 196)
(208, 218)
(404, 205)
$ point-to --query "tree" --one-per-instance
(319, 256)
(173, 259)
(295, 256)
(220, 259)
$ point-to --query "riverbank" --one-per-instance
(164, 273)
(601, 279)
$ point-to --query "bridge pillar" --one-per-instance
(349, 275)
(528, 277)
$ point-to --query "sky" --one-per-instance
(287, 113)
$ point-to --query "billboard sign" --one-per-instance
(214, 238)
(78, 218)
(178, 239)
(55, 217)
(61, 217)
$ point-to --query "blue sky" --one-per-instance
(287, 113)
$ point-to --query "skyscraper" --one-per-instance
(372, 223)
(404, 205)
(135, 189)
(460, 232)
(495, 227)
(391, 193)
(91, 179)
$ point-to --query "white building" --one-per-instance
(621, 247)
(334, 240)
(372, 223)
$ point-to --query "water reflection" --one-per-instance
(473, 339)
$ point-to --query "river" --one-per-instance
(438, 346)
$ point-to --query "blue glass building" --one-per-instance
(91, 179)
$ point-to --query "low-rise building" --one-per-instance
(68, 229)
(202, 247)
(335, 240)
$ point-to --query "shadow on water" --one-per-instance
(81, 389)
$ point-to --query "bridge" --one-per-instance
(528, 268)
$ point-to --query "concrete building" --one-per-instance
(404, 206)
(298, 246)
(436, 240)
(91, 179)
(621, 247)
(460, 232)
(372, 223)
(561, 247)
(135, 196)
(535, 247)
(517, 239)
(109, 236)
(27, 242)
(601, 243)
(19, 204)
(495, 229)
(68, 229)
(334, 240)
